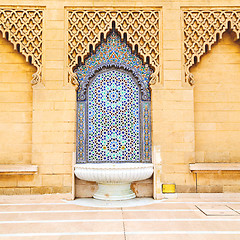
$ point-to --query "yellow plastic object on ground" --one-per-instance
(168, 188)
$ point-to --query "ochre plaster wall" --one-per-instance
(15, 115)
(16, 106)
(50, 141)
(216, 112)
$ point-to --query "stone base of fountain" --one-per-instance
(114, 180)
(114, 191)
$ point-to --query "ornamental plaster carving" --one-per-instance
(86, 27)
(23, 28)
(202, 28)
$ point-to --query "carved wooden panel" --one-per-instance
(23, 28)
(202, 28)
(141, 26)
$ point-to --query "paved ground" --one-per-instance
(170, 219)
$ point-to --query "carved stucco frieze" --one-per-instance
(24, 29)
(202, 28)
(86, 26)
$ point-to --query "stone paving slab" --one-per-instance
(216, 210)
(168, 219)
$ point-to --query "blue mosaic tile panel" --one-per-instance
(117, 52)
(146, 106)
(113, 118)
(81, 132)
(114, 106)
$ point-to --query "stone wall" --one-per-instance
(15, 115)
(38, 124)
(216, 112)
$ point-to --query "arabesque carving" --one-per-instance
(141, 26)
(202, 28)
(23, 28)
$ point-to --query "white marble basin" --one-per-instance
(114, 180)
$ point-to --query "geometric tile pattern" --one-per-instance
(114, 52)
(147, 150)
(113, 118)
(114, 106)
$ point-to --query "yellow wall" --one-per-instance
(217, 103)
(15, 114)
(216, 112)
(38, 125)
(15, 106)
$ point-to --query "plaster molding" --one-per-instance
(86, 28)
(24, 29)
(202, 28)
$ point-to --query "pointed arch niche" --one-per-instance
(217, 103)
(211, 54)
(15, 106)
(113, 105)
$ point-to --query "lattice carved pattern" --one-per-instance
(85, 28)
(23, 28)
(202, 29)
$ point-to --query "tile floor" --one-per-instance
(166, 220)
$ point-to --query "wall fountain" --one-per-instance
(113, 120)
